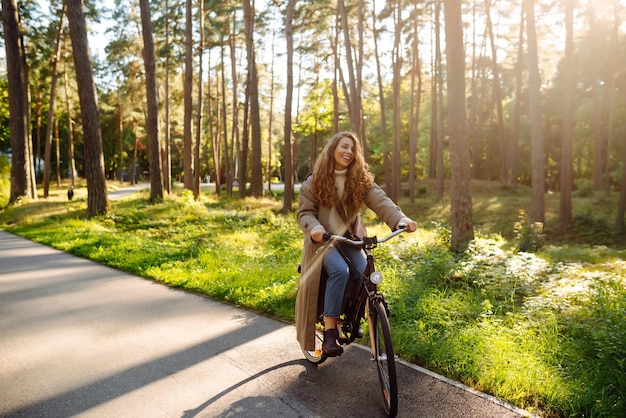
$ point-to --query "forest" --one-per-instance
(522, 93)
(493, 118)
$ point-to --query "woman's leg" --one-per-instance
(338, 276)
(356, 257)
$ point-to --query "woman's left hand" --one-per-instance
(409, 224)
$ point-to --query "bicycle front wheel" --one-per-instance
(384, 357)
(316, 356)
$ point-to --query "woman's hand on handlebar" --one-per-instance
(409, 225)
(317, 234)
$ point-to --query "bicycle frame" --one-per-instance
(357, 295)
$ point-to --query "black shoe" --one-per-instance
(330, 347)
(360, 332)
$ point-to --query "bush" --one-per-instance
(584, 188)
(529, 235)
(5, 180)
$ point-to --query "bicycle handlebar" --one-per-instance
(366, 240)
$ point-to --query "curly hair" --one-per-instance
(359, 179)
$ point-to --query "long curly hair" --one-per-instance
(359, 179)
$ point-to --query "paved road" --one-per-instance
(81, 339)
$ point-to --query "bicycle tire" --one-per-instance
(316, 356)
(385, 358)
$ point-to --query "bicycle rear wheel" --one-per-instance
(316, 356)
(384, 357)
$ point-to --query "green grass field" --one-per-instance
(544, 330)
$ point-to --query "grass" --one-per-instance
(544, 330)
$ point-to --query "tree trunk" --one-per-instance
(517, 110)
(245, 143)
(416, 96)
(609, 88)
(256, 180)
(287, 149)
(133, 162)
(120, 140)
(18, 103)
(461, 200)
(70, 129)
(38, 110)
(381, 103)
(354, 94)
(214, 131)
(621, 206)
(188, 87)
(359, 79)
(154, 147)
(234, 141)
(53, 84)
(473, 123)
(537, 214)
(97, 199)
(565, 207)
(396, 188)
(439, 93)
(166, 160)
(599, 130)
(228, 151)
(336, 71)
(197, 160)
(268, 165)
(501, 139)
(58, 151)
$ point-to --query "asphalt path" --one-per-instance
(81, 339)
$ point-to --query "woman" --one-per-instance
(330, 200)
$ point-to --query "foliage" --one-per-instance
(5, 184)
(5, 137)
(529, 235)
(544, 330)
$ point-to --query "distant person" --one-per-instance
(70, 193)
(330, 201)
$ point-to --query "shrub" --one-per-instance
(529, 235)
(5, 183)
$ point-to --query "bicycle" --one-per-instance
(359, 296)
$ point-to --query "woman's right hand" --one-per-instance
(317, 233)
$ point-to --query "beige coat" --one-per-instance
(311, 214)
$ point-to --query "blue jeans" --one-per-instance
(339, 274)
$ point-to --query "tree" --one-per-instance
(416, 99)
(537, 211)
(500, 140)
(166, 160)
(381, 103)
(353, 98)
(461, 200)
(197, 159)
(97, 199)
(514, 144)
(152, 123)
(287, 155)
(565, 207)
(438, 104)
(22, 181)
(397, 108)
(70, 129)
(51, 104)
(188, 87)
(256, 182)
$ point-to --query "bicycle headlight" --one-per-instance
(376, 277)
